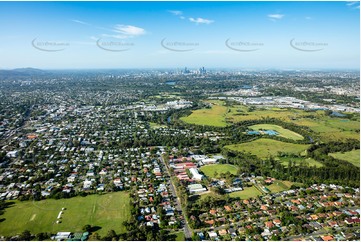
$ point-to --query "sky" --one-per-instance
(282, 35)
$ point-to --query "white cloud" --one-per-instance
(176, 12)
(275, 16)
(201, 21)
(351, 3)
(88, 24)
(127, 31)
(122, 31)
(308, 18)
(116, 36)
(80, 22)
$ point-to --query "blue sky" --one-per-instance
(297, 35)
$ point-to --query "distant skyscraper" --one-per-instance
(202, 71)
(186, 71)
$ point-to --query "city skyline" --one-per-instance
(78, 35)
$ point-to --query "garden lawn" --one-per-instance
(179, 236)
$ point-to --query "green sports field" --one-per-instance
(352, 156)
(285, 133)
(106, 211)
(267, 147)
(209, 170)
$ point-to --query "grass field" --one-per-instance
(214, 116)
(220, 168)
(156, 126)
(266, 147)
(239, 113)
(106, 211)
(352, 156)
(285, 133)
(279, 186)
(328, 128)
(298, 160)
(248, 192)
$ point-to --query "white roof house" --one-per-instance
(195, 174)
(196, 188)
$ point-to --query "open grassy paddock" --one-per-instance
(266, 147)
(352, 156)
(106, 211)
(332, 128)
(328, 128)
(209, 170)
(299, 160)
(248, 192)
(279, 186)
(285, 133)
(241, 113)
(214, 116)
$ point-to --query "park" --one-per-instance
(102, 212)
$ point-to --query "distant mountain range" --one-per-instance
(22, 72)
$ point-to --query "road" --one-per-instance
(318, 233)
(187, 230)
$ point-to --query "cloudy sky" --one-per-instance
(61, 35)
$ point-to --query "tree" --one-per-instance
(42, 236)
(111, 235)
(87, 228)
(26, 235)
(94, 237)
(215, 174)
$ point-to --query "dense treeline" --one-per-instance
(336, 167)
(334, 171)
(302, 130)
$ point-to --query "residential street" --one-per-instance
(187, 229)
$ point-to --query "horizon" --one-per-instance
(182, 68)
(170, 35)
